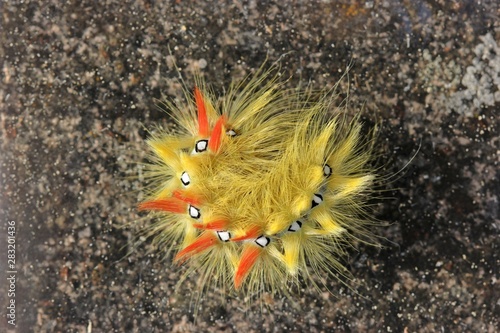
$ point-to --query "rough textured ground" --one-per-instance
(78, 85)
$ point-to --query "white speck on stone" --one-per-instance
(85, 233)
(202, 63)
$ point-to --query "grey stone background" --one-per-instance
(78, 86)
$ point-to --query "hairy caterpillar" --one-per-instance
(261, 189)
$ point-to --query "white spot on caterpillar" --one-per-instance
(327, 170)
(231, 133)
(194, 212)
(295, 226)
(224, 236)
(185, 179)
(262, 241)
(317, 199)
(201, 146)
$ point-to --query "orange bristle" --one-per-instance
(215, 138)
(187, 197)
(212, 225)
(252, 233)
(172, 205)
(248, 259)
(203, 130)
(202, 243)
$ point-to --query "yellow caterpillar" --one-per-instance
(262, 188)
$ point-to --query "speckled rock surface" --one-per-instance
(78, 85)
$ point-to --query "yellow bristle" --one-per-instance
(190, 233)
(168, 148)
(292, 243)
(349, 185)
(326, 222)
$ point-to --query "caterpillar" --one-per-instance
(261, 189)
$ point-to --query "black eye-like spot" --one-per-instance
(317, 199)
(224, 236)
(295, 226)
(201, 146)
(231, 133)
(327, 170)
(263, 241)
(194, 212)
(185, 179)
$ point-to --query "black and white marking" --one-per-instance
(201, 146)
(317, 199)
(224, 236)
(185, 179)
(295, 226)
(194, 212)
(231, 133)
(263, 241)
(327, 170)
